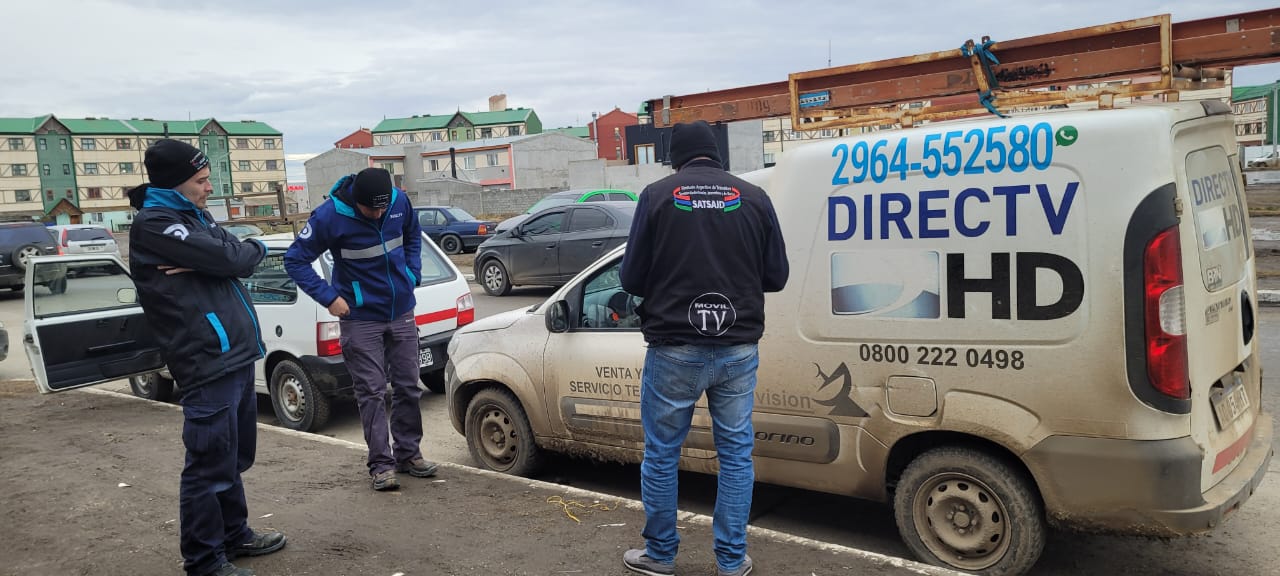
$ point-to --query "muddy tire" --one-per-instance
(298, 404)
(58, 285)
(970, 511)
(494, 278)
(21, 257)
(434, 381)
(498, 434)
(152, 386)
(451, 244)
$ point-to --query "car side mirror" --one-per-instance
(558, 317)
(127, 296)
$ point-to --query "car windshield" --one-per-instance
(87, 234)
(549, 202)
(461, 214)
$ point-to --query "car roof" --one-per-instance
(77, 226)
(20, 224)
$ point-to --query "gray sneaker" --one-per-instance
(386, 480)
(743, 569)
(639, 561)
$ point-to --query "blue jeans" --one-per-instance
(674, 378)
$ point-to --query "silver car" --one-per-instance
(84, 239)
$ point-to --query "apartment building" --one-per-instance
(79, 170)
(499, 122)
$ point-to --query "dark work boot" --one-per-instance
(261, 543)
(229, 569)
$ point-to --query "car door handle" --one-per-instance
(550, 246)
(597, 244)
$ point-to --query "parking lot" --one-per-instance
(1238, 547)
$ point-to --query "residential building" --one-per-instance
(609, 133)
(362, 138)
(531, 161)
(575, 131)
(1255, 115)
(498, 122)
(79, 170)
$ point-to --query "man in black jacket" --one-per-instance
(704, 248)
(186, 269)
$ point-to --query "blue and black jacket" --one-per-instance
(203, 320)
(376, 263)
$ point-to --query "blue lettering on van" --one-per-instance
(1211, 188)
(973, 152)
(893, 214)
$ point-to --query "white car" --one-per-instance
(1271, 160)
(101, 336)
(84, 239)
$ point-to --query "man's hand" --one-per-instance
(171, 270)
(339, 308)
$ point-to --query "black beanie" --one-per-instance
(171, 162)
(372, 188)
(689, 141)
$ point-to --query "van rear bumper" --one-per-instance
(1142, 487)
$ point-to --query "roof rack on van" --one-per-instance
(1143, 57)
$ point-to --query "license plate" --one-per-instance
(95, 248)
(1229, 403)
(424, 358)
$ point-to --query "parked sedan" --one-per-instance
(552, 246)
(566, 197)
(453, 229)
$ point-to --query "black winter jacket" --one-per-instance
(704, 248)
(203, 320)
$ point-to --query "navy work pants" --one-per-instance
(221, 436)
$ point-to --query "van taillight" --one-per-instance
(64, 239)
(1165, 315)
(466, 309)
(328, 336)
(483, 230)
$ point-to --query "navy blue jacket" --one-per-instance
(704, 248)
(376, 263)
(204, 320)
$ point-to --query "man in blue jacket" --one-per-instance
(376, 242)
(187, 272)
(704, 248)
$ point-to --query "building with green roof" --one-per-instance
(457, 127)
(1254, 108)
(72, 170)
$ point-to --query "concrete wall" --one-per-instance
(596, 174)
(327, 168)
(543, 161)
(746, 146)
(480, 202)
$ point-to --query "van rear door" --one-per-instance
(1219, 295)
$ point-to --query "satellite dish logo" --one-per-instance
(885, 284)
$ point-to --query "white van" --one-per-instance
(994, 325)
(94, 331)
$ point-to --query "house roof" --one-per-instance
(441, 121)
(508, 116)
(108, 126)
(575, 131)
(1242, 93)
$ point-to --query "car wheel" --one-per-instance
(152, 386)
(451, 244)
(23, 255)
(434, 381)
(297, 402)
(970, 511)
(58, 285)
(494, 278)
(498, 434)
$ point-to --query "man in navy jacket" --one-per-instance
(187, 271)
(370, 229)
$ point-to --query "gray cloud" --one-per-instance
(319, 69)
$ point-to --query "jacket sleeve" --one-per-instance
(638, 256)
(205, 250)
(776, 267)
(309, 245)
(412, 241)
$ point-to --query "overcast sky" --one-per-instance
(318, 69)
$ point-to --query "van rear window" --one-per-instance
(1219, 213)
(87, 234)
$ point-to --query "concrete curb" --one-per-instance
(1269, 297)
(688, 517)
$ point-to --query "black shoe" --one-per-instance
(418, 468)
(261, 543)
(229, 569)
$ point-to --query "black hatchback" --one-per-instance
(19, 242)
(550, 247)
